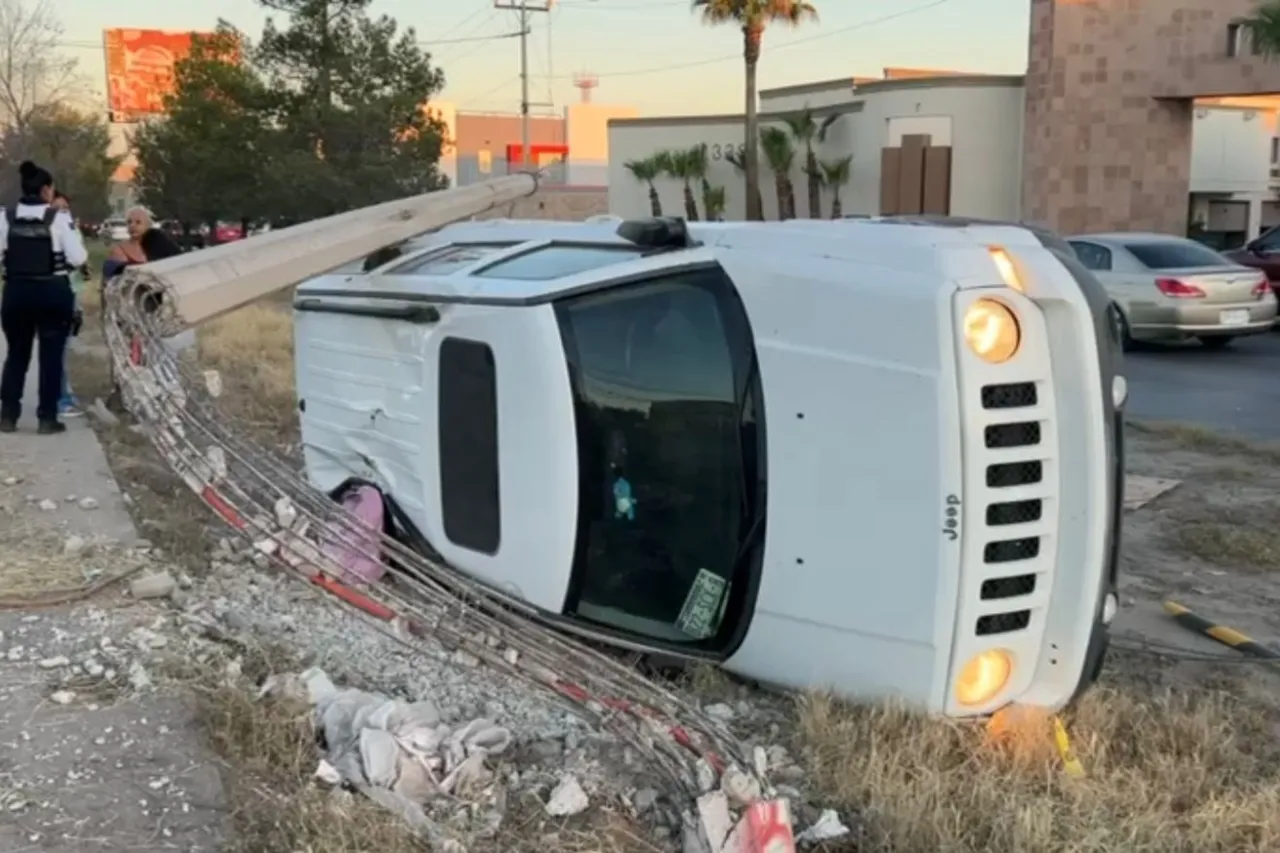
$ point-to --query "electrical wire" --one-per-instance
(737, 57)
(480, 98)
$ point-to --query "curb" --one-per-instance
(1227, 636)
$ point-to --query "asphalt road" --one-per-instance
(1236, 390)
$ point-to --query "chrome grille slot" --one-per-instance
(1014, 474)
(1012, 435)
(1011, 587)
(1011, 550)
(1014, 512)
(1018, 395)
(1003, 623)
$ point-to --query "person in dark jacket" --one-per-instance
(41, 248)
(146, 243)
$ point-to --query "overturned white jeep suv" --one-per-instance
(880, 457)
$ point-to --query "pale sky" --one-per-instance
(653, 54)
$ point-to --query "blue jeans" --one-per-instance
(67, 399)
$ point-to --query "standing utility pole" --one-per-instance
(524, 7)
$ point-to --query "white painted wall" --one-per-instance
(587, 135)
(1231, 149)
(983, 124)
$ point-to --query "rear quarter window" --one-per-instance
(468, 434)
(1175, 254)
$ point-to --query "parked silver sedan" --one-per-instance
(1171, 288)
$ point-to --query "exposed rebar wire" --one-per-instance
(281, 518)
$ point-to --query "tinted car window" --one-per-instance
(468, 436)
(557, 261)
(1175, 254)
(1093, 256)
(668, 456)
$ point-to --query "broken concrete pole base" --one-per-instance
(153, 585)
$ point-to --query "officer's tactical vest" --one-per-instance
(30, 253)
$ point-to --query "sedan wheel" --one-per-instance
(1217, 342)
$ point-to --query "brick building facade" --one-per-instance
(1109, 104)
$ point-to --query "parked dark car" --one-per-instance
(1261, 254)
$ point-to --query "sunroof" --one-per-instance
(557, 261)
(449, 259)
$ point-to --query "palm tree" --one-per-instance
(1263, 27)
(752, 16)
(713, 202)
(781, 155)
(738, 160)
(698, 163)
(835, 174)
(647, 171)
(807, 130)
(680, 165)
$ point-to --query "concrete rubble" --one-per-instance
(449, 744)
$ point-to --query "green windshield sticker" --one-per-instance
(702, 608)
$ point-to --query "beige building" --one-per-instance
(977, 117)
(1134, 114)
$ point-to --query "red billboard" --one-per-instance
(140, 68)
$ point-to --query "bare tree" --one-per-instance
(34, 74)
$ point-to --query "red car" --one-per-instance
(1261, 254)
(226, 233)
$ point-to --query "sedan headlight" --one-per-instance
(991, 331)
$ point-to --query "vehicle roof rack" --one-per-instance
(659, 233)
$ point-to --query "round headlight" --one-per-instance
(983, 677)
(991, 331)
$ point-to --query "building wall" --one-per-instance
(1231, 149)
(481, 141)
(979, 117)
(587, 132)
(1109, 110)
(562, 203)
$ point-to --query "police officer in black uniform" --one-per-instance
(41, 247)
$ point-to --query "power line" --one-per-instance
(480, 98)
(636, 72)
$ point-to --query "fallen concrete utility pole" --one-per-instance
(195, 287)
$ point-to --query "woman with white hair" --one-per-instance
(146, 243)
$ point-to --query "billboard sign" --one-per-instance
(140, 70)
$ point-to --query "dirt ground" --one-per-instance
(1179, 741)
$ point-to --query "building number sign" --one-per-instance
(724, 152)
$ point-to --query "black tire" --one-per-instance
(1218, 342)
(1126, 339)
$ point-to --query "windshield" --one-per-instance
(669, 457)
(1175, 254)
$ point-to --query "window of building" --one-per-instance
(468, 435)
(1235, 36)
(1092, 256)
(557, 261)
(671, 456)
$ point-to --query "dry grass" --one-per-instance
(252, 349)
(1190, 773)
(1201, 440)
(1236, 543)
